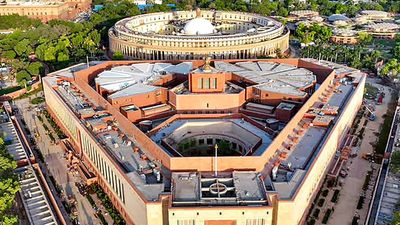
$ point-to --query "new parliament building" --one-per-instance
(206, 142)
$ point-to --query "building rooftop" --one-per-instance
(32, 3)
(344, 32)
(374, 13)
(307, 146)
(383, 26)
(293, 157)
(273, 77)
(338, 17)
(304, 13)
(236, 188)
(144, 173)
(119, 78)
(133, 90)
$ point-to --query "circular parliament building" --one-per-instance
(194, 34)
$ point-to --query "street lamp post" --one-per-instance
(216, 161)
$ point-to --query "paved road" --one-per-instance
(57, 165)
(357, 167)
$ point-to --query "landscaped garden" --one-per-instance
(105, 200)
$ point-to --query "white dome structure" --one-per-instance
(198, 26)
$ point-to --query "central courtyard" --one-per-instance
(200, 137)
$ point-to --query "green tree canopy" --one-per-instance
(117, 56)
(15, 21)
(35, 68)
(23, 76)
(9, 185)
(365, 38)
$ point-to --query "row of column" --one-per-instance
(162, 55)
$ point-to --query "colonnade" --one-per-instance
(135, 51)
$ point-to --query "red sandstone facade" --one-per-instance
(46, 12)
(206, 99)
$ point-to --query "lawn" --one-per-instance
(385, 129)
(370, 91)
(9, 90)
(37, 100)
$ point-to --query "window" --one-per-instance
(234, 145)
(201, 141)
(209, 141)
(214, 85)
(200, 83)
(207, 83)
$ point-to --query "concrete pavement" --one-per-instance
(358, 167)
(56, 164)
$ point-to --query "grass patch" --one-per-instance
(335, 196)
(326, 216)
(90, 200)
(316, 213)
(37, 100)
(360, 202)
(354, 221)
(9, 90)
(311, 221)
(105, 200)
(370, 91)
(321, 202)
(385, 130)
(367, 180)
(37, 90)
(317, 197)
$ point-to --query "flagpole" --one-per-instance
(216, 161)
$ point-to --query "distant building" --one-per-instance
(344, 36)
(45, 10)
(373, 15)
(383, 30)
(303, 14)
(193, 34)
(147, 2)
(338, 19)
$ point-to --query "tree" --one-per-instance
(391, 68)
(396, 51)
(23, 77)
(9, 186)
(62, 57)
(23, 48)
(10, 54)
(365, 38)
(396, 218)
(50, 54)
(34, 68)
(117, 56)
(314, 33)
(395, 162)
(16, 21)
